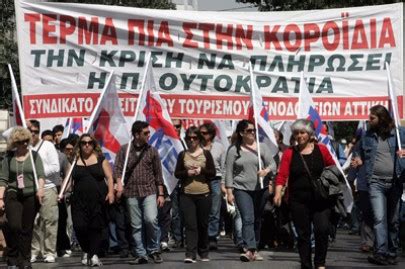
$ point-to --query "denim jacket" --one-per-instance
(368, 148)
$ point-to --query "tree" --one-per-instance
(8, 51)
(288, 5)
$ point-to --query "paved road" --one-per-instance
(343, 254)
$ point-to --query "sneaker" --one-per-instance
(377, 259)
(205, 259)
(49, 259)
(392, 260)
(189, 260)
(67, 254)
(139, 260)
(156, 257)
(258, 257)
(247, 257)
(34, 258)
(84, 258)
(164, 246)
(94, 261)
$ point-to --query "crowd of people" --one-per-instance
(269, 201)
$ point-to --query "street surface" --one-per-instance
(343, 254)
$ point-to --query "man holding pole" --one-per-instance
(381, 153)
(143, 190)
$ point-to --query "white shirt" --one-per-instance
(50, 160)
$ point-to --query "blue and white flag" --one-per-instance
(163, 134)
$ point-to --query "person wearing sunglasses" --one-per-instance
(92, 189)
(143, 192)
(46, 225)
(242, 182)
(195, 169)
(17, 196)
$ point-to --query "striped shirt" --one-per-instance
(146, 176)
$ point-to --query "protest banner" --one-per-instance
(200, 59)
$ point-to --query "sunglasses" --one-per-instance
(84, 143)
(204, 133)
(22, 142)
(250, 131)
(191, 138)
(146, 133)
(178, 126)
(34, 131)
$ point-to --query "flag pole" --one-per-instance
(393, 99)
(138, 104)
(302, 81)
(252, 89)
(18, 101)
(67, 179)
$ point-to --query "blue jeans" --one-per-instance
(237, 229)
(215, 213)
(144, 211)
(385, 199)
(250, 205)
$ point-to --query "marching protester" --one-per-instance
(177, 226)
(208, 133)
(242, 180)
(384, 165)
(358, 174)
(299, 166)
(46, 223)
(90, 195)
(62, 240)
(143, 191)
(17, 196)
(195, 169)
(57, 132)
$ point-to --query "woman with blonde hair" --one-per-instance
(90, 194)
(17, 196)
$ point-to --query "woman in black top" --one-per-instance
(90, 194)
(306, 208)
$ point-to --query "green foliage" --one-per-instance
(286, 5)
(154, 4)
(8, 50)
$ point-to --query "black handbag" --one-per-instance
(321, 191)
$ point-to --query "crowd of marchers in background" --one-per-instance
(266, 202)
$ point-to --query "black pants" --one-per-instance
(90, 240)
(164, 220)
(196, 210)
(62, 241)
(20, 212)
(303, 214)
